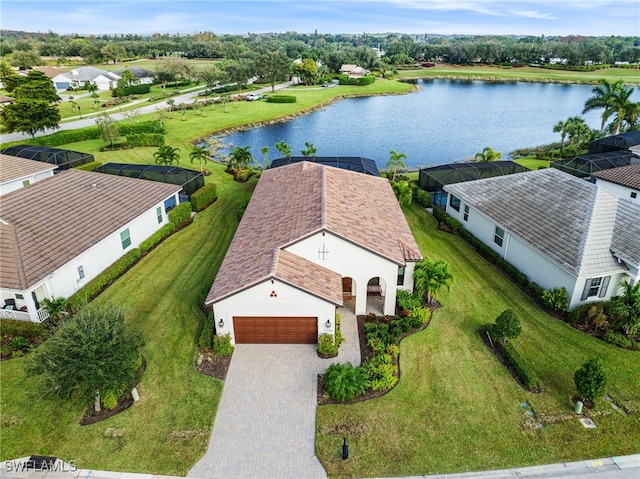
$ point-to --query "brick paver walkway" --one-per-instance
(265, 424)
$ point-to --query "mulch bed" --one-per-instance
(124, 402)
(503, 360)
(366, 352)
(212, 364)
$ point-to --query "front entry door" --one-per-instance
(346, 288)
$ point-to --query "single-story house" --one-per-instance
(77, 77)
(354, 71)
(16, 173)
(144, 76)
(623, 182)
(60, 233)
(312, 238)
(555, 228)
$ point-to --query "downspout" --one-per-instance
(506, 248)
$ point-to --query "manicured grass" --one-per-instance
(480, 72)
(456, 408)
(532, 163)
(167, 431)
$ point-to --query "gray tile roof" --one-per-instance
(83, 74)
(567, 219)
(14, 168)
(628, 176)
(51, 222)
(295, 201)
(626, 234)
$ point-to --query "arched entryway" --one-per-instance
(376, 290)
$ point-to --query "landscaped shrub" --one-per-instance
(591, 379)
(343, 382)
(524, 372)
(423, 198)
(585, 313)
(534, 289)
(89, 166)
(65, 136)
(132, 90)
(222, 345)
(419, 317)
(145, 139)
(14, 328)
(205, 339)
(507, 325)
(180, 214)
(19, 343)
(381, 371)
(556, 298)
(110, 399)
(366, 80)
(327, 346)
(242, 175)
(408, 300)
(126, 129)
(621, 340)
(339, 336)
(204, 197)
(282, 99)
(157, 237)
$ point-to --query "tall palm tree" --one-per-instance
(166, 155)
(430, 277)
(284, 149)
(199, 154)
(310, 150)
(625, 309)
(603, 95)
(578, 130)
(487, 155)
(622, 109)
(240, 157)
(396, 163)
(562, 127)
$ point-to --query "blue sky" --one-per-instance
(472, 17)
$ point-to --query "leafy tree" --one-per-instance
(306, 70)
(273, 66)
(172, 69)
(126, 79)
(199, 154)
(167, 155)
(113, 51)
(343, 382)
(396, 163)
(92, 354)
(108, 128)
(591, 379)
(487, 155)
(507, 325)
(429, 277)
(35, 86)
(403, 192)
(213, 75)
(25, 59)
(239, 71)
(30, 116)
(309, 150)
(284, 149)
(602, 98)
(625, 309)
(240, 157)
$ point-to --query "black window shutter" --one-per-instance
(585, 291)
(605, 285)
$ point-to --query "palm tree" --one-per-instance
(562, 128)
(310, 150)
(396, 163)
(602, 97)
(625, 309)
(284, 149)
(199, 154)
(622, 109)
(403, 192)
(166, 155)
(266, 162)
(240, 157)
(487, 155)
(578, 131)
(429, 277)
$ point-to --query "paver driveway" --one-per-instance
(265, 424)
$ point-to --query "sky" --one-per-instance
(470, 17)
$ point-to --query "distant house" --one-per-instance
(5, 100)
(311, 238)
(624, 182)
(77, 77)
(354, 71)
(555, 228)
(144, 76)
(50, 72)
(16, 173)
(60, 233)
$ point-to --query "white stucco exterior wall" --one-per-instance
(18, 183)
(350, 260)
(619, 190)
(259, 301)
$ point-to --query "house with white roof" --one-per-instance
(557, 229)
(77, 77)
(312, 238)
(16, 173)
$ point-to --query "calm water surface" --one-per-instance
(443, 122)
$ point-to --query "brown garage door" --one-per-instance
(275, 330)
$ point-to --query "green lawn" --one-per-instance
(167, 431)
(456, 408)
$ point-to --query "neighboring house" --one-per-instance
(555, 228)
(311, 237)
(352, 163)
(16, 173)
(354, 71)
(60, 233)
(50, 72)
(624, 182)
(77, 77)
(5, 100)
(144, 76)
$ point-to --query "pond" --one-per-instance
(444, 121)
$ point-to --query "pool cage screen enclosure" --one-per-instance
(351, 163)
(63, 159)
(583, 166)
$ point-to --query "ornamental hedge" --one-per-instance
(282, 99)
(131, 90)
(145, 139)
(142, 127)
(89, 166)
(180, 214)
(204, 197)
(362, 81)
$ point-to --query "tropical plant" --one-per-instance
(507, 325)
(623, 110)
(591, 379)
(562, 127)
(602, 98)
(625, 309)
(266, 161)
(556, 298)
(487, 155)
(222, 345)
(199, 154)
(56, 308)
(578, 131)
(309, 150)
(284, 149)
(167, 155)
(343, 382)
(327, 345)
(396, 163)
(90, 354)
(403, 192)
(240, 157)
(429, 277)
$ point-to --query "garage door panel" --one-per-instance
(275, 330)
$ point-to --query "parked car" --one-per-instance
(253, 97)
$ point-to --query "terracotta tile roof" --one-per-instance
(297, 200)
(628, 176)
(13, 168)
(50, 72)
(46, 225)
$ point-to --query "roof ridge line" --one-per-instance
(597, 198)
(323, 199)
(17, 256)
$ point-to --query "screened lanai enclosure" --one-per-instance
(434, 179)
(190, 180)
(63, 159)
(583, 166)
(622, 141)
(352, 163)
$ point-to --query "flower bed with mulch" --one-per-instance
(212, 364)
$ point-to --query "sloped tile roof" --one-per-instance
(626, 235)
(567, 219)
(295, 201)
(51, 222)
(13, 168)
(628, 176)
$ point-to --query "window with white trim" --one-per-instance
(454, 202)
(159, 214)
(125, 238)
(400, 275)
(498, 236)
(595, 287)
(466, 213)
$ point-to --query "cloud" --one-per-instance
(534, 14)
